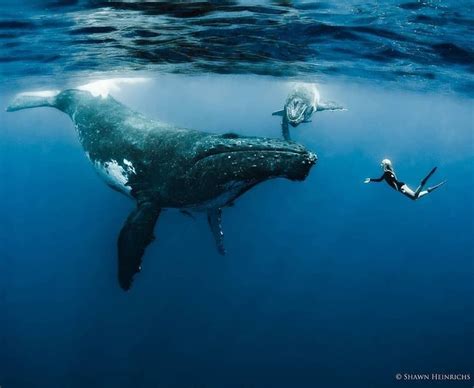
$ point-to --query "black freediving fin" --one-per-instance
(278, 112)
(214, 217)
(432, 188)
(425, 179)
(134, 237)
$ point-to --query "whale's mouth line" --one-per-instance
(300, 117)
(258, 150)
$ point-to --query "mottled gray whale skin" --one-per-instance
(163, 166)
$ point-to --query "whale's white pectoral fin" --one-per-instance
(329, 105)
(214, 217)
(278, 113)
(135, 236)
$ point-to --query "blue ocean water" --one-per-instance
(326, 282)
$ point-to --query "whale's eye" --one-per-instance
(230, 135)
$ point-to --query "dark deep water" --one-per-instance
(326, 282)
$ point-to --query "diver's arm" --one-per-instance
(368, 180)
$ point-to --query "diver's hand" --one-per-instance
(367, 180)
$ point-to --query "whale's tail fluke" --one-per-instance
(33, 100)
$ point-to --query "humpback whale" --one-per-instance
(300, 105)
(162, 166)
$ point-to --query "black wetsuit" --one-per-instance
(390, 178)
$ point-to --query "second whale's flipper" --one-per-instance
(278, 112)
(134, 237)
(214, 217)
(329, 105)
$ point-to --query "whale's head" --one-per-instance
(301, 103)
(297, 110)
(232, 164)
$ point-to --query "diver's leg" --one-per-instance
(405, 190)
(425, 179)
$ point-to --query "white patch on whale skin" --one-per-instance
(40, 93)
(116, 175)
(130, 167)
(103, 88)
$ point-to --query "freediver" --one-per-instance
(390, 177)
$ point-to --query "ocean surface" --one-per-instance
(327, 282)
(423, 44)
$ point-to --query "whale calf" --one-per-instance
(162, 166)
(300, 105)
